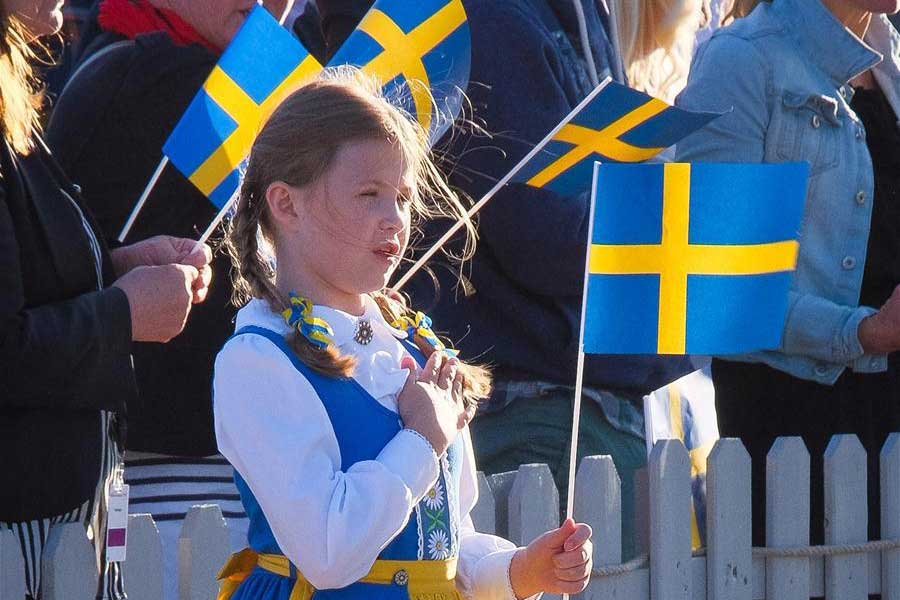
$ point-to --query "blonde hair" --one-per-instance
(656, 40)
(297, 145)
(20, 94)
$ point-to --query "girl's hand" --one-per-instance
(558, 562)
(428, 403)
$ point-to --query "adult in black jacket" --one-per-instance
(135, 77)
(69, 311)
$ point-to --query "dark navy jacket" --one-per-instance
(524, 315)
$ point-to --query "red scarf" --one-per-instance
(134, 17)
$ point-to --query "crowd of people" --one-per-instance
(337, 430)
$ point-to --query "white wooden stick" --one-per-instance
(220, 215)
(579, 371)
(484, 200)
(143, 199)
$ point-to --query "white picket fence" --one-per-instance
(521, 505)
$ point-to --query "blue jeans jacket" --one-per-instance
(783, 73)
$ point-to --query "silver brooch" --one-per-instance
(363, 334)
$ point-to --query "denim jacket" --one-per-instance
(784, 71)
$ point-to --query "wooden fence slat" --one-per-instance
(641, 511)
(69, 564)
(598, 502)
(846, 518)
(143, 573)
(669, 474)
(533, 506)
(12, 567)
(890, 516)
(759, 578)
(484, 513)
(787, 518)
(501, 485)
(202, 550)
(728, 533)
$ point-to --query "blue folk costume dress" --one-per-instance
(419, 563)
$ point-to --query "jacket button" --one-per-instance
(860, 197)
(816, 121)
(821, 370)
(401, 577)
(848, 263)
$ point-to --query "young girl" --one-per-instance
(343, 415)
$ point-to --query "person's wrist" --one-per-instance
(869, 334)
(119, 258)
(520, 577)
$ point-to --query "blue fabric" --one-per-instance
(260, 56)
(528, 73)
(784, 70)
(362, 427)
(605, 109)
(446, 65)
(728, 309)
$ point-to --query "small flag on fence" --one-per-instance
(262, 65)
(618, 124)
(421, 51)
(686, 410)
(691, 258)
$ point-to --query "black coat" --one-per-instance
(107, 130)
(64, 345)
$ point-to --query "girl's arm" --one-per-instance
(273, 428)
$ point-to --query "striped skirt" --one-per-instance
(168, 486)
(32, 535)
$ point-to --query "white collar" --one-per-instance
(257, 312)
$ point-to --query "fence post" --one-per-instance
(890, 516)
(69, 564)
(846, 518)
(729, 563)
(641, 511)
(787, 518)
(598, 502)
(202, 550)
(533, 506)
(501, 485)
(12, 567)
(143, 573)
(484, 513)
(669, 473)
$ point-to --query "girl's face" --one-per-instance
(352, 225)
(41, 17)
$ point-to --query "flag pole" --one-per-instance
(152, 183)
(220, 215)
(143, 199)
(484, 200)
(579, 371)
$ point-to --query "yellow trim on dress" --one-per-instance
(424, 579)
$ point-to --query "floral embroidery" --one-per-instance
(434, 499)
(438, 545)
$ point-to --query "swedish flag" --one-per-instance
(686, 410)
(421, 51)
(262, 65)
(614, 124)
(691, 258)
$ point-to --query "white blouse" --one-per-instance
(332, 524)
